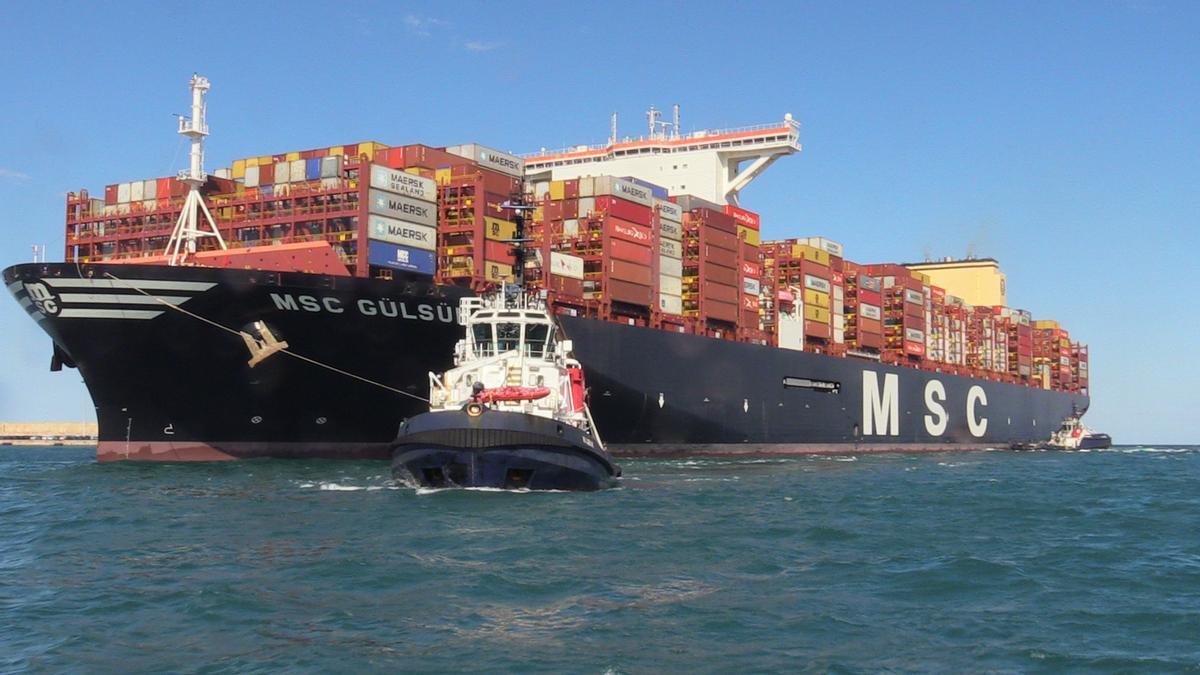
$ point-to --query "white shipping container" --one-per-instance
(827, 245)
(669, 210)
(137, 191)
(283, 172)
(586, 205)
(888, 282)
(587, 188)
(751, 286)
(297, 170)
(670, 248)
(670, 304)
(123, 193)
(839, 322)
(251, 179)
(223, 173)
(403, 208)
(150, 189)
(839, 335)
(670, 230)
(623, 189)
(490, 159)
(816, 283)
(914, 335)
(403, 183)
(839, 292)
(869, 311)
(331, 167)
(670, 266)
(670, 285)
(565, 265)
(382, 228)
(914, 297)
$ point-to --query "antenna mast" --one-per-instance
(195, 213)
(612, 135)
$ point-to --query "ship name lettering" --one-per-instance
(977, 425)
(881, 413)
(366, 307)
(935, 422)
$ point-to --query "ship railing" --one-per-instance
(692, 136)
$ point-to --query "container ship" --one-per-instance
(293, 304)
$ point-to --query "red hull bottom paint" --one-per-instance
(194, 451)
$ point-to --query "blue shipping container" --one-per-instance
(399, 257)
(656, 190)
(312, 169)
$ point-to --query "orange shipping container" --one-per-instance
(624, 291)
(625, 250)
(627, 271)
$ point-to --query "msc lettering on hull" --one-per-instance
(881, 407)
(287, 302)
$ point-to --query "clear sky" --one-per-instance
(1060, 137)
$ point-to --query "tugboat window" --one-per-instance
(508, 336)
(535, 340)
(483, 339)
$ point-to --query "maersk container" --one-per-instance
(490, 159)
(657, 191)
(624, 189)
(402, 208)
(413, 235)
(669, 211)
(403, 183)
(395, 256)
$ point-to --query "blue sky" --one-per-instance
(1061, 138)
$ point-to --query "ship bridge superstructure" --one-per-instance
(714, 164)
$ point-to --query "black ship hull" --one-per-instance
(498, 449)
(173, 383)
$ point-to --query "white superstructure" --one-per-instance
(714, 165)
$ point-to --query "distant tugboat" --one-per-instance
(511, 413)
(1072, 435)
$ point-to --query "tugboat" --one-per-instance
(1072, 435)
(511, 414)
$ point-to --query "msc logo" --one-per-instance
(881, 407)
(42, 298)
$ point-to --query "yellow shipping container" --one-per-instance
(816, 298)
(266, 160)
(239, 168)
(293, 156)
(442, 176)
(1045, 323)
(818, 314)
(337, 150)
(810, 253)
(558, 190)
(539, 214)
(369, 148)
(498, 230)
(497, 271)
(752, 237)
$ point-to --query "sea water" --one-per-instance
(993, 561)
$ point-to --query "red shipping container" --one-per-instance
(750, 318)
(872, 340)
(817, 329)
(914, 348)
(623, 291)
(710, 290)
(751, 269)
(716, 219)
(163, 188)
(714, 237)
(266, 174)
(110, 194)
(722, 311)
(743, 217)
(870, 297)
(498, 251)
(749, 251)
(631, 272)
(720, 256)
(624, 250)
(571, 188)
(837, 278)
(749, 303)
(566, 286)
(624, 229)
(722, 275)
(629, 211)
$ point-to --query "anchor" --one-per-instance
(264, 345)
